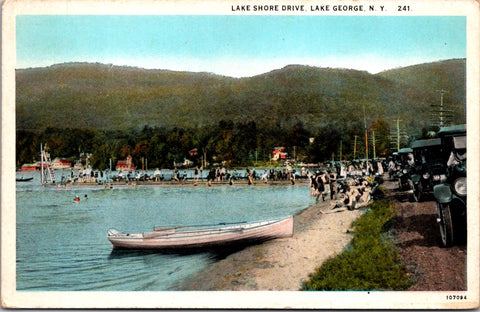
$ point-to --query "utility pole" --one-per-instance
(355, 147)
(366, 133)
(373, 141)
(398, 133)
(340, 150)
(442, 92)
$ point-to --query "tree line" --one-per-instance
(232, 144)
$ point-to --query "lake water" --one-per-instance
(62, 244)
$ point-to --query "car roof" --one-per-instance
(425, 143)
(405, 150)
(452, 130)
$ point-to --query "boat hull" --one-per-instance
(204, 238)
(24, 179)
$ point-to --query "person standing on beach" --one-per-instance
(157, 174)
(326, 181)
(195, 176)
(249, 177)
(223, 173)
(211, 176)
(320, 187)
(333, 185)
(265, 176)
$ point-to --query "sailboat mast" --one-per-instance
(42, 175)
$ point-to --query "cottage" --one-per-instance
(279, 153)
(59, 163)
(29, 167)
(185, 163)
(125, 165)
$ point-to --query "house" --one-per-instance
(185, 163)
(59, 163)
(125, 165)
(29, 167)
(193, 152)
(279, 153)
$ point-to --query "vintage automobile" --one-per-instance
(429, 168)
(392, 166)
(404, 167)
(451, 195)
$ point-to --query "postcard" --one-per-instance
(240, 154)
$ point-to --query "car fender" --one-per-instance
(442, 193)
(458, 203)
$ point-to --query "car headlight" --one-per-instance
(460, 186)
(426, 175)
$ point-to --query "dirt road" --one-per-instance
(432, 267)
(282, 264)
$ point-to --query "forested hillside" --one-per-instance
(432, 78)
(99, 96)
(240, 117)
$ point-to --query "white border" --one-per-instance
(228, 299)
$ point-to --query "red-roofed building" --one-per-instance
(279, 153)
(29, 167)
(193, 152)
(125, 165)
(59, 163)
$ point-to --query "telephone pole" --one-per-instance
(340, 150)
(373, 142)
(355, 147)
(442, 92)
(398, 133)
(366, 133)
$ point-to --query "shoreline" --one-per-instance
(113, 185)
(281, 264)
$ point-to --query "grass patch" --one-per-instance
(369, 261)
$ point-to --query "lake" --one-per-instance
(62, 244)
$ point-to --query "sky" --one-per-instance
(239, 46)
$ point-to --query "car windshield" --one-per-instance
(460, 142)
(429, 155)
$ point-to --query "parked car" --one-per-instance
(451, 195)
(429, 169)
(404, 167)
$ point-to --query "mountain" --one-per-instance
(99, 96)
(444, 77)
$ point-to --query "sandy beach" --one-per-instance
(282, 264)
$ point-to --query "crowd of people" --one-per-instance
(350, 185)
(251, 175)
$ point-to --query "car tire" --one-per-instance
(418, 192)
(444, 219)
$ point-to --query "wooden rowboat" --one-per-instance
(193, 237)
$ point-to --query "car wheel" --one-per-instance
(444, 219)
(418, 192)
(459, 220)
